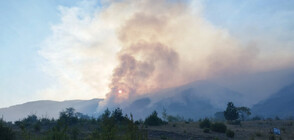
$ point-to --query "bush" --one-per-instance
(138, 122)
(205, 123)
(272, 137)
(163, 137)
(75, 133)
(177, 118)
(153, 120)
(230, 133)
(190, 120)
(277, 118)
(206, 130)
(37, 126)
(219, 127)
(5, 132)
(235, 122)
(283, 129)
(258, 134)
(56, 133)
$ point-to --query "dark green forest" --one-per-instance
(73, 125)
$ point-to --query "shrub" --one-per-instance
(37, 126)
(190, 120)
(163, 137)
(205, 123)
(5, 132)
(230, 133)
(177, 118)
(235, 122)
(153, 120)
(75, 133)
(277, 118)
(219, 127)
(56, 133)
(283, 129)
(138, 122)
(272, 137)
(258, 134)
(206, 130)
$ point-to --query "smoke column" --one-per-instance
(129, 48)
(166, 44)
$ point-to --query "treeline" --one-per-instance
(110, 125)
(72, 125)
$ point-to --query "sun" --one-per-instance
(119, 91)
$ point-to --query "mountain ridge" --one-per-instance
(48, 108)
(279, 104)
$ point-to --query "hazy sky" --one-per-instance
(26, 26)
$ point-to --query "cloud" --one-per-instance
(80, 54)
(124, 49)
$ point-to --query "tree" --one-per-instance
(106, 114)
(117, 115)
(68, 116)
(231, 112)
(244, 112)
(6, 133)
(108, 124)
(153, 120)
(132, 131)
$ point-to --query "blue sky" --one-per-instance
(258, 16)
(25, 24)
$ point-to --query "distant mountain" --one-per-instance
(279, 104)
(48, 109)
(195, 100)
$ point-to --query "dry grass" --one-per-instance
(257, 130)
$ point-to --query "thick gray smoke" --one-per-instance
(167, 44)
(129, 48)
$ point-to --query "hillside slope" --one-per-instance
(279, 104)
(48, 109)
(194, 100)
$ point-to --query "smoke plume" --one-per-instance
(167, 44)
(136, 47)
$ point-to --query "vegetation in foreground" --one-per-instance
(114, 125)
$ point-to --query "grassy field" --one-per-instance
(248, 130)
